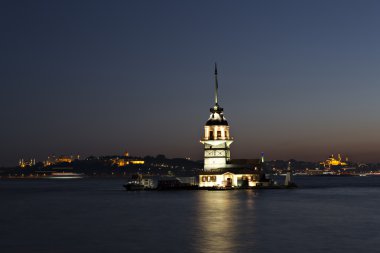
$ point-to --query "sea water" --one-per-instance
(326, 214)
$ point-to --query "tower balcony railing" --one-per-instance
(217, 139)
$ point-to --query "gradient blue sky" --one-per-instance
(298, 79)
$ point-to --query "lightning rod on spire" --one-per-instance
(216, 85)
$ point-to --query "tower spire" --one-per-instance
(216, 85)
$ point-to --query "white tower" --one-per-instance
(217, 138)
(288, 178)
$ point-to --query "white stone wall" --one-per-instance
(220, 180)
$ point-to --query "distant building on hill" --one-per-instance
(331, 161)
(26, 163)
(123, 160)
(53, 159)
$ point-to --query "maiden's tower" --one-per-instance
(219, 169)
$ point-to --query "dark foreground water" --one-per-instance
(96, 215)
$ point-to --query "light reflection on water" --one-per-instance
(222, 224)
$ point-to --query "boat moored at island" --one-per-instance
(138, 183)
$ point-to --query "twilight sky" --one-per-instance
(297, 79)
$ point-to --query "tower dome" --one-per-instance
(216, 117)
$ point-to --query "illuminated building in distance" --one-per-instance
(124, 160)
(331, 161)
(52, 159)
(24, 163)
(121, 161)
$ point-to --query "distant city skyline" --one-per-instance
(297, 79)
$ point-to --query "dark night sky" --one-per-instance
(298, 79)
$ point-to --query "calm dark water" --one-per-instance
(334, 214)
